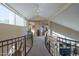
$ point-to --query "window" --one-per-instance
(9, 17)
(19, 21)
(12, 18)
(25, 22)
(4, 15)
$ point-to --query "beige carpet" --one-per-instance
(39, 48)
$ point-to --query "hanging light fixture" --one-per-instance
(37, 9)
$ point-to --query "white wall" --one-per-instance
(11, 31)
(65, 31)
(69, 18)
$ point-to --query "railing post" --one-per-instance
(59, 46)
(70, 47)
(25, 45)
(49, 46)
(32, 38)
(45, 40)
(2, 48)
(75, 49)
(7, 48)
(15, 47)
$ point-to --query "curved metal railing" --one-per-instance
(16, 46)
(58, 46)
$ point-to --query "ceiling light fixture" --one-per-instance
(37, 9)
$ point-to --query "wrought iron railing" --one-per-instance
(16, 46)
(58, 46)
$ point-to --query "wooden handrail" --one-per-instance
(12, 38)
(9, 43)
(66, 39)
(62, 40)
(17, 42)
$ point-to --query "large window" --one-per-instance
(4, 14)
(25, 22)
(19, 21)
(12, 18)
(9, 17)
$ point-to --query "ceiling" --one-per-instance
(62, 13)
(30, 10)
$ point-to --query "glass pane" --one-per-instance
(25, 23)
(22, 22)
(19, 21)
(12, 18)
(4, 14)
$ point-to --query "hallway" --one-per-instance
(38, 48)
(23, 24)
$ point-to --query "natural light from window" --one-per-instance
(9, 17)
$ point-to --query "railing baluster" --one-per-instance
(15, 44)
(59, 46)
(76, 48)
(2, 48)
(75, 51)
(15, 47)
(18, 42)
(62, 41)
(22, 46)
(25, 45)
(12, 43)
(7, 47)
(70, 46)
(65, 40)
(49, 45)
